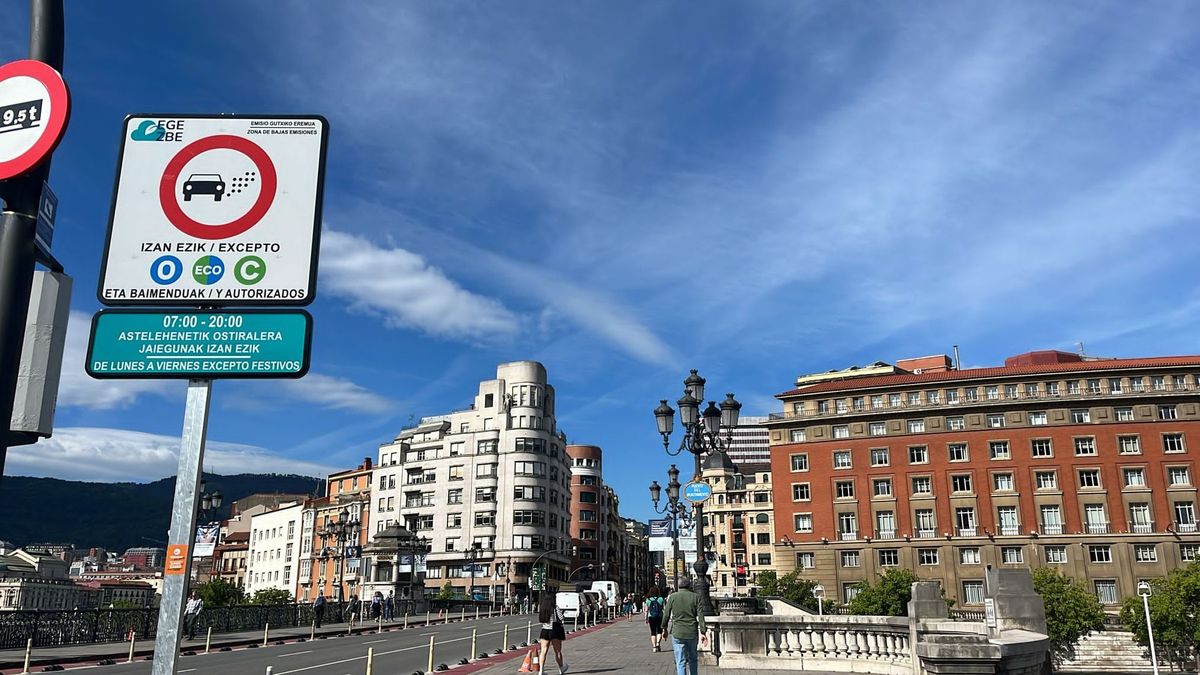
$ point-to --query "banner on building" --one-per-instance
(206, 540)
(660, 528)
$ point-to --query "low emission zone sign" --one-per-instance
(215, 210)
(149, 344)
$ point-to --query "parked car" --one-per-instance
(612, 592)
(571, 603)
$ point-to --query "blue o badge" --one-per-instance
(208, 270)
(166, 270)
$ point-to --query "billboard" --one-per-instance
(206, 540)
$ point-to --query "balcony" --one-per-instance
(1097, 528)
(885, 534)
(926, 534)
(968, 532)
(1185, 528)
(1052, 529)
(1143, 528)
(1010, 530)
(849, 535)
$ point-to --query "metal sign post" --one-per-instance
(177, 570)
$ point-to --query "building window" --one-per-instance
(879, 457)
(485, 519)
(916, 426)
(1041, 447)
(958, 452)
(1178, 475)
(1173, 443)
(529, 518)
(585, 496)
(485, 495)
(844, 489)
(883, 487)
(1081, 416)
(1114, 385)
(1003, 482)
(803, 522)
(1106, 592)
(531, 469)
(1094, 386)
(1185, 517)
(914, 398)
(968, 556)
(1129, 445)
(972, 393)
(1010, 391)
(860, 403)
(951, 396)
(847, 525)
(894, 400)
(1189, 552)
(850, 591)
(587, 516)
(956, 423)
(1007, 516)
(922, 485)
(1167, 412)
(1073, 387)
(1055, 555)
(964, 520)
(1124, 414)
(877, 401)
(885, 525)
(485, 470)
(933, 396)
(918, 454)
(801, 492)
(800, 462)
(822, 407)
(1012, 555)
(926, 524)
(1095, 520)
(841, 431)
(453, 520)
(995, 421)
(806, 561)
(878, 429)
(889, 557)
(1134, 477)
(1145, 553)
(1089, 478)
(851, 559)
(992, 393)
(1085, 447)
(961, 483)
(1052, 389)
(799, 435)
(841, 459)
(1139, 517)
(1100, 553)
(999, 450)
(1038, 419)
(972, 592)
(927, 556)
(841, 406)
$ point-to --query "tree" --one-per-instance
(1071, 611)
(790, 587)
(888, 597)
(1174, 606)
(446, 592)
(220, 593)
(271, 596)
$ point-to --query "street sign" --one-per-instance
(215, 210)
(34, 108)
(697, 492)
(190, 344)
(537, 579)
(47, 211)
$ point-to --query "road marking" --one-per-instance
(187, 671)
(378, 654)
(282, 656)
(371, 642)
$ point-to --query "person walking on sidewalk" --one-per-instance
(686, 624)
(389, 606)
(654, 617)
(190, 613)
(553, 633)
(319, 608)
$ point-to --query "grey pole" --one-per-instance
(701, 564)
(18, 222)
(183, 525)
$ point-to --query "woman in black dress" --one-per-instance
(553, 634)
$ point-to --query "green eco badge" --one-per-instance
(250, 270)
(208, 270)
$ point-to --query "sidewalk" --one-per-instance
(619, 647)
(119, 651)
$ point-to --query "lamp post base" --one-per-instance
(702, 587)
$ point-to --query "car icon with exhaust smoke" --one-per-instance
(203, 184)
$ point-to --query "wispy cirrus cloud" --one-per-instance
(337, 393)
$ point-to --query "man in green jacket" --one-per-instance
(683, 619)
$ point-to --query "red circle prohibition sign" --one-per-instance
(54, 126)
(195, 228)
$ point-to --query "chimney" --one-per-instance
(366, 464)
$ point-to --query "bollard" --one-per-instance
(370, 659)
(406, 621)
(426, 618)
(208, 640)
(462, 614)
(576, 621)
(269, 669)
(473, 652)
(476, 612)
(504, 644)
(380, 630)
(29, 652)
(312, 634)
(529, 630)
(431, 639)
(266, 632)
(132, 647)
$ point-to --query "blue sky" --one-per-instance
(627, 190)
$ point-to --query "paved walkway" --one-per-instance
(619, 647)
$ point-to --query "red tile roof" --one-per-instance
(855, 383)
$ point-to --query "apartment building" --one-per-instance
(1082, 464)
(273, 554)
(488, 487)
(749, 442)
(740, 523)
(331, 562)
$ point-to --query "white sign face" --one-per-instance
(989, 612)
(216, 210)
(34, 106)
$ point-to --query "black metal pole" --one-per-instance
(701, 565)
(18, 222)
(675, 544)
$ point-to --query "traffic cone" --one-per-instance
(531, 663)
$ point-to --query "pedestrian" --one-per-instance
(682, 617)
(654, 618)
(318, 609)
(376, 606)
(553, 633)
(190, 613)
(353, 609)
(389, 606)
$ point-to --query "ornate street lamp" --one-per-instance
(342, 532)
(701, 435)
(677, 510)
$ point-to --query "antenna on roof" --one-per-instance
(957, 362)
(1080, 345)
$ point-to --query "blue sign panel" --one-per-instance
(697, 492)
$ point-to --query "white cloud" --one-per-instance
(337, 393)
(407, 292)
(111, 455)
(77, 389)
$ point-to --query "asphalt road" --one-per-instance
(396, 652)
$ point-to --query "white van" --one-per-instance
(570, 602)
(611, 591)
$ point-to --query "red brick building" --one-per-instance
(1086, 465)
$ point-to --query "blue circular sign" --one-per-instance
(697, 492)
(166, 270)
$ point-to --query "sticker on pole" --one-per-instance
(215, 210)
(34, 108)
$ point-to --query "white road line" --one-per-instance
(363, 657)
(371, 642)
(284, 656)
(187, 671)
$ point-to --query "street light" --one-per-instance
(342, 531)
(819, 593)
(699, 437)
(1145, 590)
(675, 509)
(473, 554)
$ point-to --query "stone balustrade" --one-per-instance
(857, 644)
